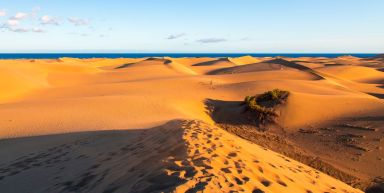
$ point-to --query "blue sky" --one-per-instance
(257, 26)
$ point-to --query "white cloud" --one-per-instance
(175, 36)
(20, 16)
(13, 26)
(12, 23)
(3, 13)
(48, 20)
(9, 24)
(78, 21)
(24, 30)
(18, 29)
(212, 40)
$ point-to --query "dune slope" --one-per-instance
(334, 115)
(180, 156)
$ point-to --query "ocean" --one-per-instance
(174, 55)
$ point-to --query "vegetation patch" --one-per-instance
(263, 106)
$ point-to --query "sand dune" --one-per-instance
(248, 68)
(356, 73)
(221, 62)
(192, 61)
(158, 62)
(322, 110)
(16, 84)
(187, 156)
(332, 121)
(246, 60)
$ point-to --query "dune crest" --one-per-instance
(226, 163)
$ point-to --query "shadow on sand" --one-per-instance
(231, 116)
(377, 95)
(100, 161)
(209, 63)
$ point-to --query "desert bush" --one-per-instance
(248, 99)
(263, 105)
(275, 95)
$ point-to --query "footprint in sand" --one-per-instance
(232, 154)
(257, 191)
(266, 183)
(282, 183)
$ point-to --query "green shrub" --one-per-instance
(263, 104)
(248, 99)
(275, 95)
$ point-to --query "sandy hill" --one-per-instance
(356, 73)
(221, 62)
(187, 156)
(248, 68)
(348, 57)
(321, 109)
(191, 61)
(245, 60)
(146, 62)
(156, 62)
(332, 121)
(269, 65)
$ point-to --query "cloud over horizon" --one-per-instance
(20, 16)
(23, 22)
(78, 21)
(231, 27)
(48, 20)
(13, 23)
(211, 40)
(176, 36)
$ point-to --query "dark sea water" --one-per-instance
(174, 55)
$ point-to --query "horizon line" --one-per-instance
(191, 52)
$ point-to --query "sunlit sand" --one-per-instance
(178, 124)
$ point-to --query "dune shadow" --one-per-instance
(377, 95)
(232, 117)
(274, 64)
(255, 67)
(295, 66)
(367, 118)
(220, 111)
(302, 61)
(209, 63)
(378, 188)
(165, 62)
(288, 64)
(231, 113)
(97, 161)
(125, 65)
